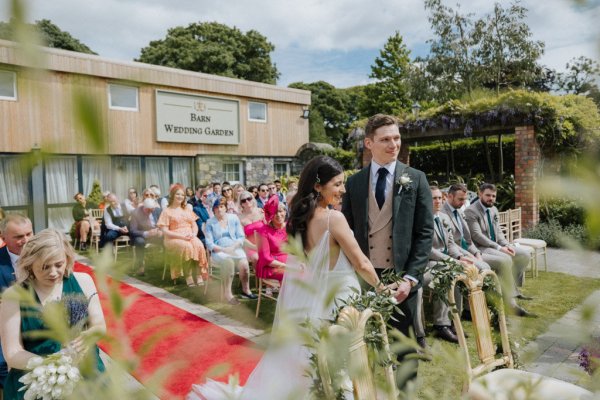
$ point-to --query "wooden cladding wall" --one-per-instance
(44, 115)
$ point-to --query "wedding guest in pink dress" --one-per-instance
(252, 219)
(185, 250)
(271, 238)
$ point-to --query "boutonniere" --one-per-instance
(496, 218)
(404, 182)
(445, 223)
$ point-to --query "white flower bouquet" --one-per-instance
(51, 377)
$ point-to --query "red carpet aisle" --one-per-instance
(194, 344)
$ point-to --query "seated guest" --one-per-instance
(227, 193)
(196, 199)
(271, 238)
(443, 249)
(216, 192)
(15, 231)
(238, 189)
(144, 230)
(184, 249)
(263, 195)
(225, 241)
(482, 219)
(203, 210)
(499, 262)
(46, 268)
(131, 202)
(252, 219)
(278, 192)
(189, 193)
(115, 221)
(84, 222)
(292, 189)
(253, 190)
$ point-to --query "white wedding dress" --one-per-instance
(308, 292)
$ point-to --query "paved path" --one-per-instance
(555, 352)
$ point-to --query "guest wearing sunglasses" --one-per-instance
(263, 195)
(227, 193)
(252, 219)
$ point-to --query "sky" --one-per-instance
(331, 40)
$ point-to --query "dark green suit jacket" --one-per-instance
(412, 221)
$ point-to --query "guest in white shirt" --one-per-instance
(115, 221)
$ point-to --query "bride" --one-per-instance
(310, 287)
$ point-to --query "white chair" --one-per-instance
(122, 242)
(484, 381)
(539, 246)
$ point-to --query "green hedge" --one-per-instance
(469, 157)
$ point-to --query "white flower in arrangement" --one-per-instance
(405, 182)
(393, 300)
(50, 378)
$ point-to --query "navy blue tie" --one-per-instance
(380, 187)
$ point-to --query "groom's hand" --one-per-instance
(403, 290)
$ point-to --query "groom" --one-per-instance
(388, 206)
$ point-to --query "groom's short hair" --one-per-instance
(485, 186)
(377, 121)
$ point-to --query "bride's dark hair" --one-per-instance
(320, 169)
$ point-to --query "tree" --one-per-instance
(452, 63)
(51, 35)
(581, 76)
(330, 105)
(389, 94)
(214, 48)
(506, 50)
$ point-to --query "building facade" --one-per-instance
(67, 119)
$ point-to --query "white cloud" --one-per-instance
(309, 28)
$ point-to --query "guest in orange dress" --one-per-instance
(178, 223)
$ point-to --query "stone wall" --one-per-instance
(255, 169)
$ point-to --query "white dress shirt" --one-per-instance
(389, 179)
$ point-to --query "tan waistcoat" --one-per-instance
(380, 231)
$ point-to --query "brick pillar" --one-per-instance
(528, 156)
(404, 155)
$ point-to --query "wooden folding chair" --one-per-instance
(270, 286)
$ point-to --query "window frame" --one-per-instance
(121, 108)
(287, 168)
(240, 171)
(15, 96)
(264, 121)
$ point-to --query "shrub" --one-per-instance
(347, 158)
(555, 235)
(564, 211)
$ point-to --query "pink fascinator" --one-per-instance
(270, 208)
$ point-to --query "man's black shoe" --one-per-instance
(454, 331)
(83, 246)
(521, 312)
(444, 332)
(422, 343)
(521, 296)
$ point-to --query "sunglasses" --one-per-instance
(227, 190)
(245, 200)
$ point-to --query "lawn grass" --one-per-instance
(441, 378)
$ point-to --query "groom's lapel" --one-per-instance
(398, 194)
(362, 181)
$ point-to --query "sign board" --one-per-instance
(188, 118)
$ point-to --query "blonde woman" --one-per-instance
(178, 223)
(46, 269)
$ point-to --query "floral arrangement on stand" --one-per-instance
(382, 303)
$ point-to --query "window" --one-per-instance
(257, 112)
(280, 169)
(232, 172)
(122, 97)
(8, 85)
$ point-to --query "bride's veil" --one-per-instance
(281, 374)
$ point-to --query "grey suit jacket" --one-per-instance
(466, 233)
(444, 241)
(412, 221)
(479, 227)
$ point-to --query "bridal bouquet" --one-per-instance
(51, 377)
